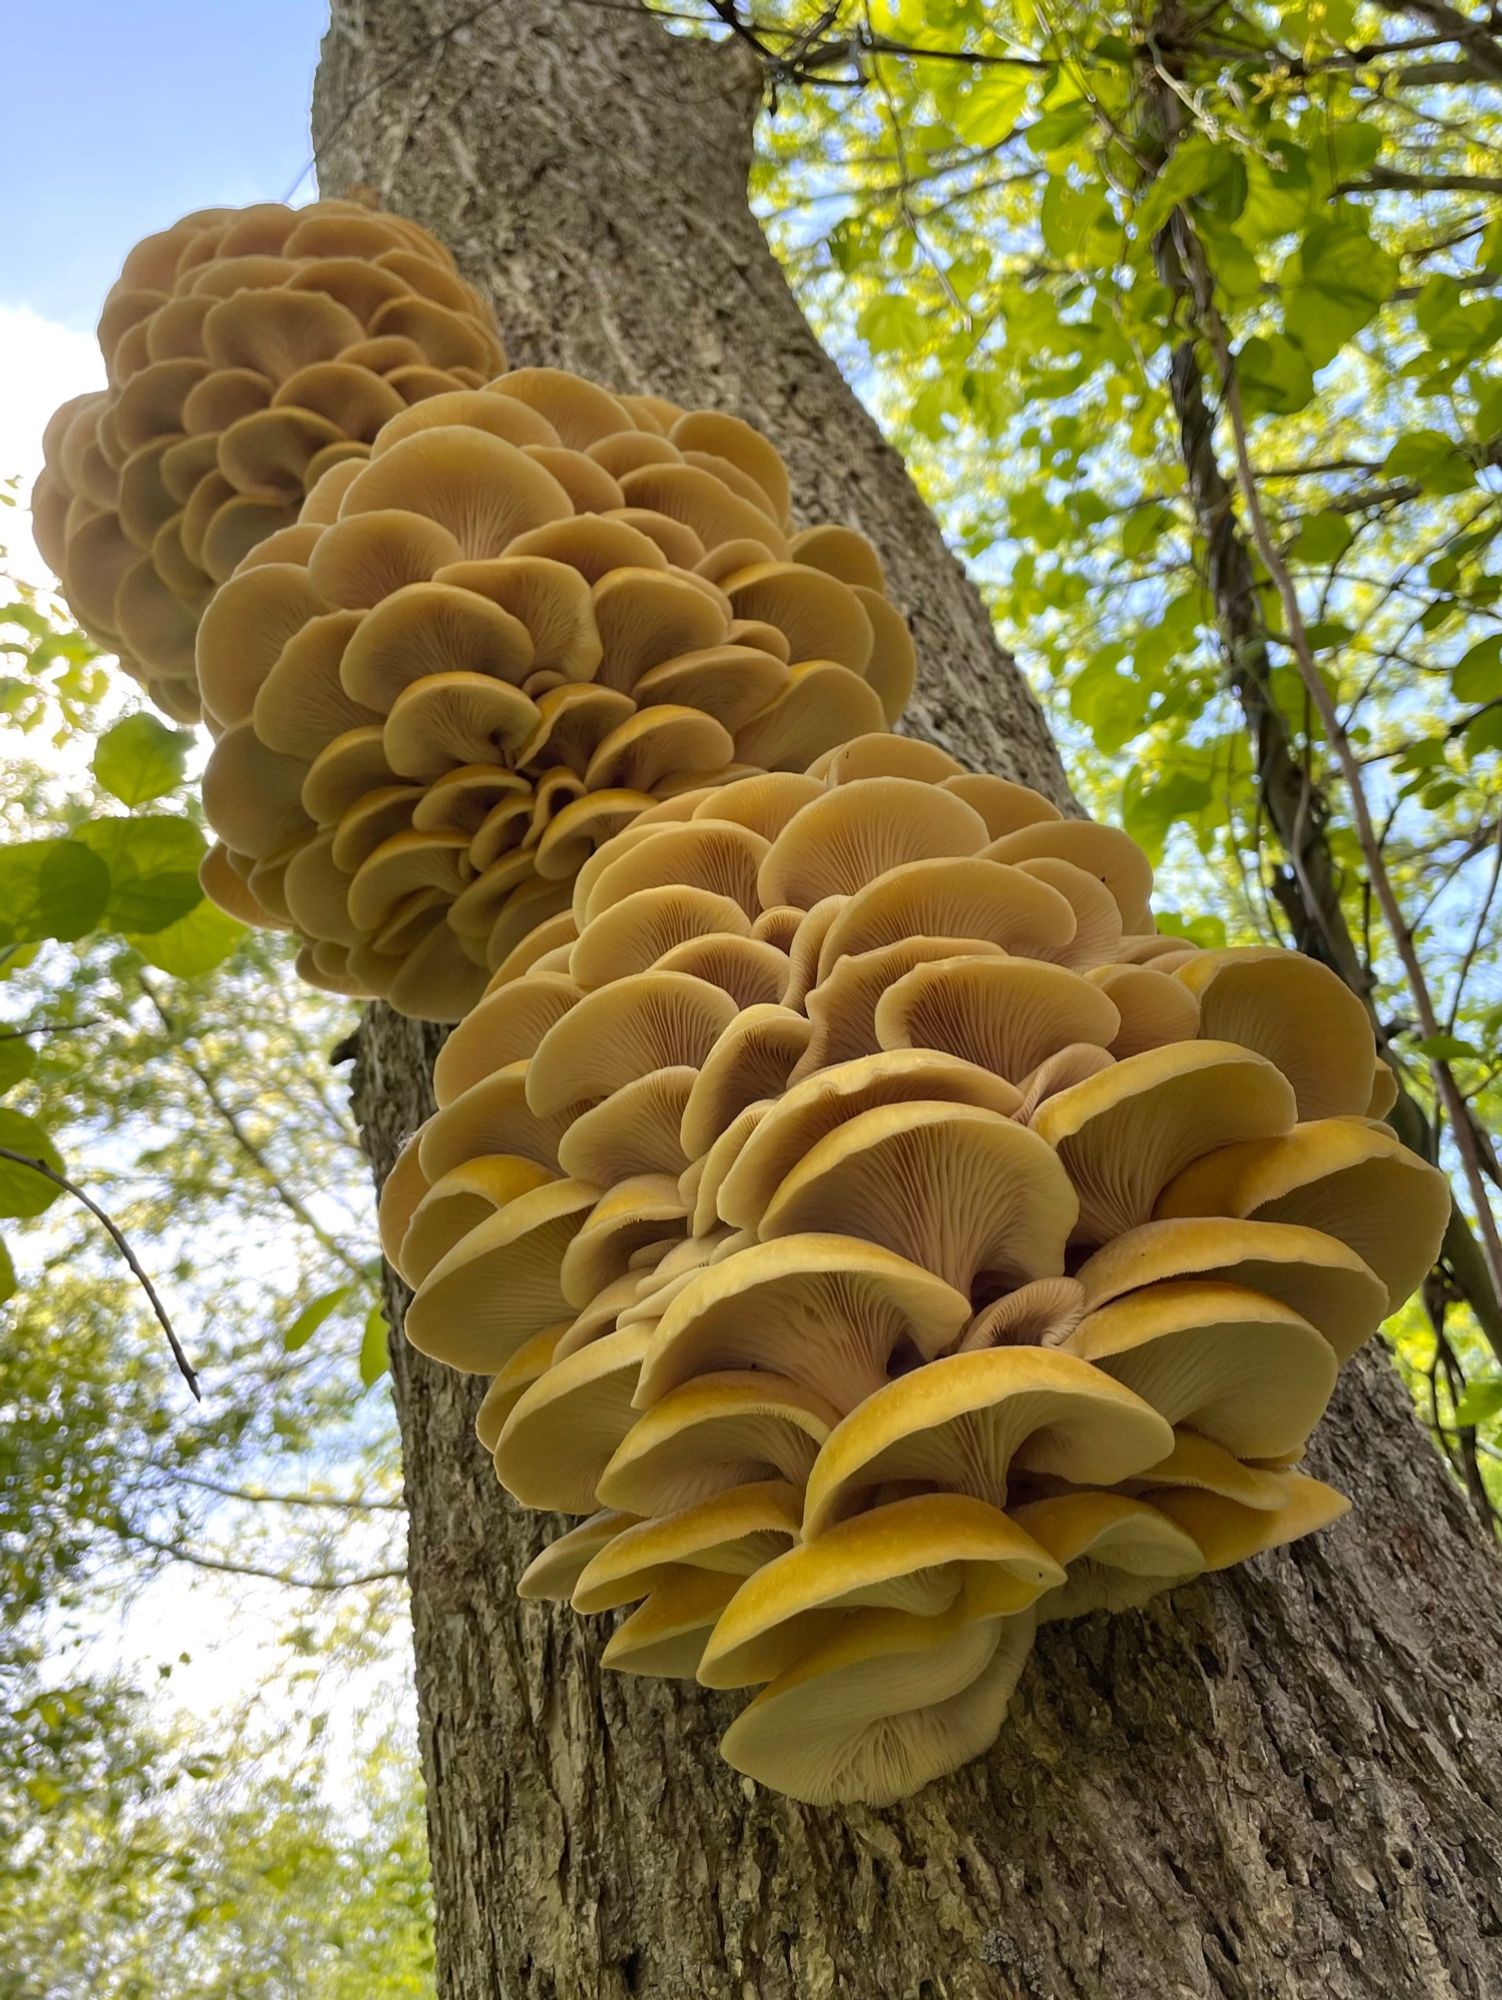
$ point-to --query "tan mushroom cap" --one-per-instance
(1118, 1552)
(457, 1203)
(843, 1005)
(885, 1704)
(1228, 1362)
(563, 1430)
(1229, 1533)
(401, 1191)
(731, 1534)
(826, 1312)
(915, 1555)
(642, 1210)
(753, 973)
(854, 833)
(1313, 1274)
(1348, 1177)
(1041, 1313)
(954, 897)
(1154, 1008)
(1124, 1134)
(1297, 1013)
(633, 1131)
(651, 1020)
(500, 1284)
(824, 704)
(1198, 1462)
(1006, 1015)
(500, 1031)
(552, 1574)
(489, 1117)
(811, 1110)
(961, 1422)
(764, 803)
(752, 1058)
(529, 1363)
(1105, 852)
(1004, 805)
(715, 1432)
(666, 1633)
(633, 934)
(963, 1191)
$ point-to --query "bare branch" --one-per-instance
(184, 1367)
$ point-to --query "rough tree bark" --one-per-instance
(1282, 1784)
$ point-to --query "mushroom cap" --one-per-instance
(961, 1190)
(500, 1283)
(459, 1201)
(809, 1111)
(552, 1574)
(1125, 1133)
(883, 1705)
(648, 1021)
(1228, 1532)
(1118, 1552)
(562, 1431)
(1313, 1274)
(1297, 1013)
(530, 1361)
(714, 1432)
(1230, 1363)
(1005, 1014)
(666, 1632)
(1348, 1177)
(827, 1312)
(960, 1422)
(854, 833)
(914, 1555)
(731, 1534)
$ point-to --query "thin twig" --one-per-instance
(222, 1563)
(184, 1366)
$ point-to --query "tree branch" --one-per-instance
(184, 1367)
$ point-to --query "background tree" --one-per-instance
(1255, 1788)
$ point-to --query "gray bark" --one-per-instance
(1276, 1785)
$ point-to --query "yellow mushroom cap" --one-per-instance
(1118, 1552)
(1229, 1362)
(885, 1704)
(915, 1555)
(825, 1311)
(731, 1534)
(961, 1421)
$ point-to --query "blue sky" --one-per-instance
(139, 113)
(131, 114)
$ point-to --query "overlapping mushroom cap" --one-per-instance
(248, 350)
(533, 611)
(888, 1241)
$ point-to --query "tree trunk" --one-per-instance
(1277, 1785)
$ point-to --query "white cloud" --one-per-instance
(42, 364)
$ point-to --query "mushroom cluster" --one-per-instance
(887, 1242)
(248, 350)
(530, 611)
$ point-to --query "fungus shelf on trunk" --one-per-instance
(937, 1296)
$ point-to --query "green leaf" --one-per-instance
(17, 1061)
(1480, 1403)
(375, 1357)
(141, 758)
(1067, 215)
(1322, 538)
(7, 1275)
(1446, 1048)
(194, 944)
(1273, 374)
(50, 889)
(1477, 675)
(891, 324)
(312, 1316)
(1192, 167)
(153, 862)
(1333, 284)
(988, 111)
(1431, 459)
(23, 1191)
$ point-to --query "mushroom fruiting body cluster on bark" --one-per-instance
(888, 1241)
(485, 646)
(247, 350)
